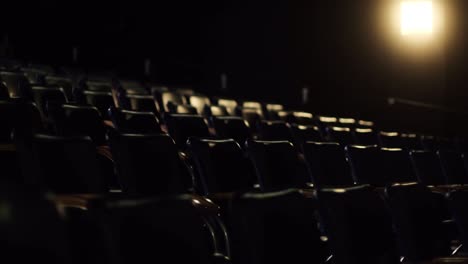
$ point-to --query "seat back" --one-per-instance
(299, 118)
(417, 215)
(277, 165)
(148, 164)
(18, 85)
(427, 167)
(45, 95)
(367, 165)
(453, 167)
(215, 110)
(303, 134)
(199, 102)
(274, 130)
(341, 135)
(390, 140)
(84, 120)
(365, 136)
(142, 103)
(232, 127)
(221, 166)
(327, 163)
(126, 121)
(101, 100)
(358, 225)
(167, 96)
(67, 165)
(181, 127)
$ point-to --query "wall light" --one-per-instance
(416, 17)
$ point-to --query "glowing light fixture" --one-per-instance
(416, 17)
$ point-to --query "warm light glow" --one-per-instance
(416, 17)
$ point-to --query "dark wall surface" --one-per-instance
(345, 52)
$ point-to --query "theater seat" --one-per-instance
(274, 130)
(164, 97)
(18, 85)
(278, 165)
(199, 102)
(67, 165)
(64, 83)
(276, 227)
(142, 103)
(427, 167)
(229, 104)
(181, 127)
(365, 136)
(341, 135)
(328, 165)
(299, 118)
(232, 127)
(101, 100)
(390, 139)
(45, 95)
(182, 109)
(453, 167)
(83, 120)
(221, 165)
(418, 218)
(149, 164)
(302, 134)
(126, 121)
(215, 110)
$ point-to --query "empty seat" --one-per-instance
(149, 164)
(221, 165)
(326, 121)
(358, 226)
(143, 103)
(252, 115)
(429, 143)
(390, 140)
(60, 82)
(126, 121)
(300, 118)
(418, 216)
(272, 110)
(133, 87)
(341, 135)
(365, 136)
(453, 167)
(277, 165)
(229, 104)
(98, 86)
(347, 121)
(380, 167)
(83, 120)
(45, 95)
(232, 127)
(215, 110)
(19, 119)
(365, 123)
(411, 141)
(101, 100)
(252, 104)
(427, 167)
(67, 165)
(165, 97)
(199, 102)
(302, 134)
(274, 130)
(181, 127)
(278, 227)
(182, 109)
(327, 163)
(18, 85)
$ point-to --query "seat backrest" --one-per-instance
(221, 166)
(277, 165)
(199, 102)
(174, 98)
(126, 121)
(142, 103)
(458, 201)
(182, 109)
(60, 82)
(453, 167)
(303, 134)
(341, 135)
(365, 136)
(299, 118)
(67, 164)
(19, 118)
(326, 121)
(181, 127)
(101, 100)
(418, 216)
(358, 225)
(347, 121)
(327, 163)
(45, 95)
(148, 164)
(215, 110)
(18, 85)
(84, 120)
(232, 127)
(277, 227)
(252, 115)
(390, 140)
(411, 141)
(274, 130)
(229, 104)
(427, 167)
(397, 165)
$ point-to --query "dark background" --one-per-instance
(342, 51)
